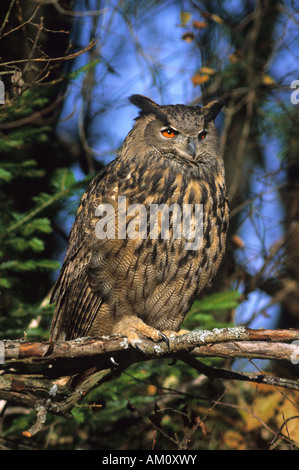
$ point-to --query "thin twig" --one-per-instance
(52, 59)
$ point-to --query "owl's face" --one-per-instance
(186, 132)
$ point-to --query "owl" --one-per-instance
(150, 231)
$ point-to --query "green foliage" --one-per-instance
(284, 125)
(75, 74)
(30, 101)
(32, 190)
(19, 138)
(24, 235)
(211, 310)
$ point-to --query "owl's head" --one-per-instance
(186, 132)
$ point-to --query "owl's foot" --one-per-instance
(173, 334)
(135, 330)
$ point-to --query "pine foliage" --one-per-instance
(26, 216)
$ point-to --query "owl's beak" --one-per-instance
(189, 146)
(192, 146)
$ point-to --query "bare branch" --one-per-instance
(54, 377)
(53, 59)
(219, 342)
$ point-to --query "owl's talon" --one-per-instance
(140, 348)
(114, 361)
(137, 330)
(164, 338)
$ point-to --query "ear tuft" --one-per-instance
(212, 109)
(145, 104)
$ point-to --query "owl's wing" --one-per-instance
(76, 304)
(93, 267)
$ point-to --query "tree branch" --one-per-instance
(54, 377)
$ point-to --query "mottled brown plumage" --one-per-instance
(145, 286)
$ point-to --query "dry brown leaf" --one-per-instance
(199, 24)
(287, 417)
(234, 440)
(198, 79)
(217, 19)
(188, 37)
(267, 80)
(207, 70)
(185, 16)
(237, 241)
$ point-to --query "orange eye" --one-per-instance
(202, 135)
(170, 133)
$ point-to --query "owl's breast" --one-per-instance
(186, 250)
(173, 227)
